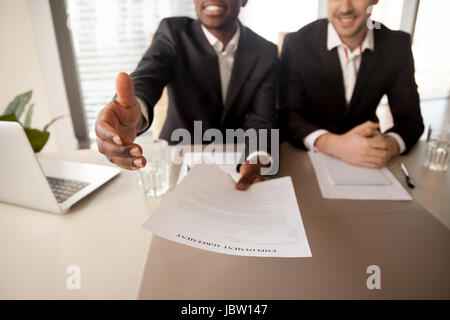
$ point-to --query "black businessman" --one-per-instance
(216, 70)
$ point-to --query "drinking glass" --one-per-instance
(438, 142)
(154, 177)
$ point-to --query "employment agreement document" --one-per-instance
(340, 180)
(207, 212)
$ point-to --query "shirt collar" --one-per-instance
(218, 45)
(334, 41)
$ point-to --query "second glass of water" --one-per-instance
(154, 177)
(438, 142)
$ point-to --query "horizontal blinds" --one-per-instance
(111, 36)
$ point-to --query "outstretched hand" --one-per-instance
(117, 126)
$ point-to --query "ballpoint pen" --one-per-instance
(409, 180)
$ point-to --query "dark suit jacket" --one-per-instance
(181, 57)
(312, 92)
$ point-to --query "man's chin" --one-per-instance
(349, 33)
(213, 23)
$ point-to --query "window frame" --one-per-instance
(70, 73)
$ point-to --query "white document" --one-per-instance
(206, 211)
(361, 184)
(227, 161)
(342, 173)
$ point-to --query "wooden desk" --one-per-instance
(410, 246)
(102, 234)
(432, 189)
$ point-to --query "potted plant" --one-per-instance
(14, 111)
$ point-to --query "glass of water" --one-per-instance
(438, 142)
(154, 177)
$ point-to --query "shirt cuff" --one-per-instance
(401, 143)
(264, 157)
(311, 138)
(144, 111)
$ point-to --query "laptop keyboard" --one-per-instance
(65, 188)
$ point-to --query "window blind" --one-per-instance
(110, 36)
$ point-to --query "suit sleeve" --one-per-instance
(291, 97)
(404, 99)
(262, 114)
(155, 69)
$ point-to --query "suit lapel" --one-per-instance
(332, 67)
(369, 61)
(208, 61)
(244, 62)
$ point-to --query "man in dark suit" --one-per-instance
(216, 71)
(334, 73)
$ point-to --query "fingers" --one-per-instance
(247, 179)
(370, 124)
(129, 163)
(127, 156)
(243, 184)
(125, 90)
(371, 165)
(374, 163)
(392, 146)
(116, 150)
(369, 132)
(106, 132)
(378, 153)
(368, 128)
(378, 142)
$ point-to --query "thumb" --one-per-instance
(366, 127)
(125, 90)
(369, 132)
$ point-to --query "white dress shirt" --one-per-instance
(350, 62)
(225, 57)
(226, 62)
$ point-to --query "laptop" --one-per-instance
(43, 184)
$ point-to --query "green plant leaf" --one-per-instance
(37, 138)
(17, 106)
(29, 115)
(51, 122)
(9, 117)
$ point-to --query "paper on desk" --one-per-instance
(227, 161)
(206, 211)
(342, 173)
(359, 190)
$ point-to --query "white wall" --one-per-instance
(268, 17)
(26, 37)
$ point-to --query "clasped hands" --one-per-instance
(364, 146)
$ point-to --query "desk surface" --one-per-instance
(101, 234)
(119, 260)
